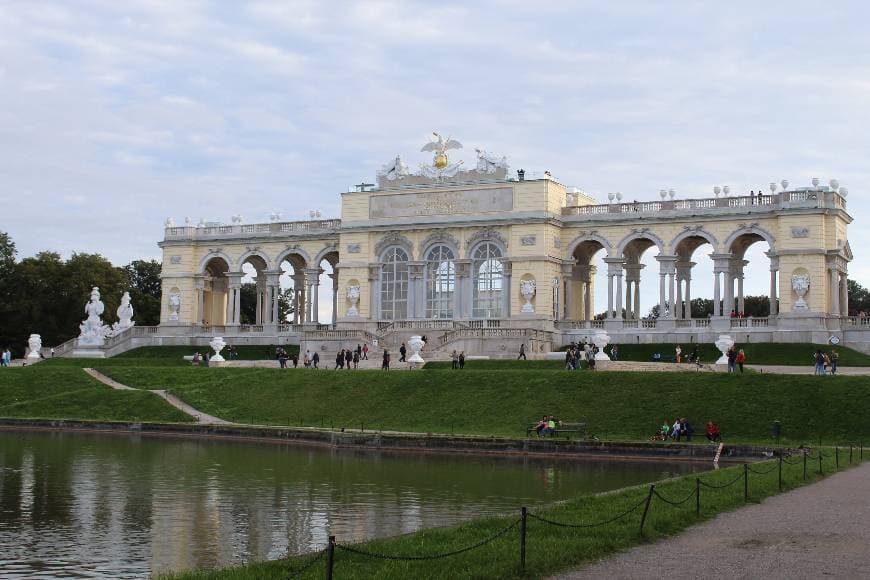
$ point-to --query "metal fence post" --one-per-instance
(820, 462)
(745, 482)
(780, 473)
(698, 496)
(523, 514)
(850, 455)
(330, 557)
(837, 455)
(652, 489)
(805, 465)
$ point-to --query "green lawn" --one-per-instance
(549, 549)
(56, 392)
(167, 356)
(479, 402)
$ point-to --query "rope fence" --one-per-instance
(776, 465)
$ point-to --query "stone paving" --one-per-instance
(814, 531)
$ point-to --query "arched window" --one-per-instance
(488, 274)
(394, 285)
(440, 282)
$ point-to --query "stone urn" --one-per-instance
(601, 339)
(217, 344)
(724, 344)
(800, 283)
(416, 344)
(527, 289)
(34, 345)
(353, 298)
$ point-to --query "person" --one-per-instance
(205, 358)
(339, 360)
(282, 360)
(402, 352)
(665, 430)
(551, 426)
(732, 360)
(306, 360)
(741, 359)
(657, 357)
(686, 429)
(694, 356)
(614, 352)
(834, 358)
(315, 358)
(356, 359)
(569, 359)
(819, 359)
(385, 365)
(541, 425)
(590, 358)
(359, 349)
(52, 352)
(348, 358)
(678, 352)
(462, 360)
(365, 351)
(522, 354)
(194, 361)
(577, 362)
(454, 357)
(713, 433)
(295, 359)
(676, 430)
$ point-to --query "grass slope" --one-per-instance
(164, 356)
(550, 549)
(52, 392)
(616, 405)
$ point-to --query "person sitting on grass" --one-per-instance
(541, 425)
(713, 433)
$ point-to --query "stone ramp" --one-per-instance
(815, 531)
(200, 417)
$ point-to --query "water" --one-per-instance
(88, 506)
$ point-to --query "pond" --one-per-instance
(93, 505)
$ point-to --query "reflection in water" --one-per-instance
(118, 506)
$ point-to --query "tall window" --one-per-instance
(488, 276)
(394, 285)
(440, 282)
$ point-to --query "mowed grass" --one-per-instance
(550, 549)
(167, 356)
(56, 392)
(616, 405)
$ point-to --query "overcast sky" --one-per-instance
(116, 115)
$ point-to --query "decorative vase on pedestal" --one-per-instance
(416, 344)
(353, 298)
(724, 343)
(800, 283)
(217, 344)
(527, 289)
(601, 339)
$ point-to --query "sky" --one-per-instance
(117, 115)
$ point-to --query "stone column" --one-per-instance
(672, 305)
(416, 290)
(299, 297)
(463, 295)
(679, 303)
(374, 291)
(334, 278)
(234, 291)
(688, 298)
(741, 306)
(774, 267)
(199, 284)
(721, 267)
(271, 294)
(834, 277)
(312, 285)
(637, 313)
(610, 295)
(506, 288)
(619, 312)
(568, 277)
(844, 294)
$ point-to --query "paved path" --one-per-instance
(813, 531)
(200, 417)
(806, 370)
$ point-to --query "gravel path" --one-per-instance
(817, 530)
(806, 370)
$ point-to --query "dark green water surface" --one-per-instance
(80, 505)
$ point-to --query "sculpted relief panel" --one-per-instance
(469, 201)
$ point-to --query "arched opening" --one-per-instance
(488, 281)
(254, 294)
(581, 301)
(750, 288)
(640, 254)
(292, 297)
(394, 284)
(213, 301)
(694, 279)
(440, 281)
(327, 293)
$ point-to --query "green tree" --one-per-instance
(859, 297)
(144, 285)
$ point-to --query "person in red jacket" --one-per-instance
(713, 432)
(741, 358)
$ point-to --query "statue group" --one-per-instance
(92, 331)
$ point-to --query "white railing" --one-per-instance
(649, 323)
(856, 321)
(631, 323)
(251, 328)
(191, 232)
(751, 322)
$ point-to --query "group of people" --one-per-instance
(547, 425)
(458, 360)
(6, 357)
(681, 428)
(576, 354)
(200, 359)
(347, 357)
(825, 361)
(736, 359)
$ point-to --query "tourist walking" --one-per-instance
(732, 360)
(819, 359)
(355, 359)
(348, 358)
(306, 360)
(569, 359)
(365, 351)
(454, 357)
(834, 357)
(522, 354)
(462, 360)
(741, 359)
(315, 359)
(339, 360)
(614, 352)
(385, 364)
(402, 352)
(678, 352)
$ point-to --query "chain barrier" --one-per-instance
(674, 503)
(595, 525)
(298, 573)
(796, 462)
(765, 472)
(433, 556)
(729, 484)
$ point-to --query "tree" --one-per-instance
(248, 300)
(859, 297)
(144, 285)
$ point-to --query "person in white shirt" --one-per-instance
(676, 430)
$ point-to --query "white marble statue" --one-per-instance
(800, 283)
(527, 289)
(393, 170)
(93, 331)
(416, 344)
(34, 346)
(125, 315)
(490, 163)
(169, 223)
(174, 306)
(724, 343)
(217, 344)
(353, 298)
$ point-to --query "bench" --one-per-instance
(670, 358)
(564, 428)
